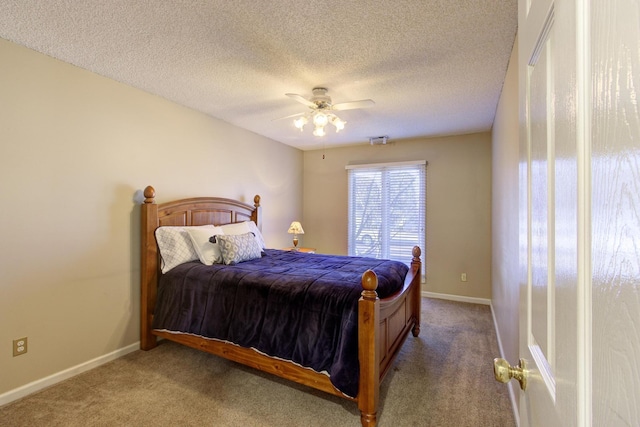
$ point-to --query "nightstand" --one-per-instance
(306, 250)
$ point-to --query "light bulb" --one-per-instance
(318, 131)
(339, 124)
(320, 119)
(300, 122)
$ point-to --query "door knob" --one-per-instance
(504, 372)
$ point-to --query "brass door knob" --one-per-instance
(504, 372)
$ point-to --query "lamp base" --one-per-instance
(295, 243)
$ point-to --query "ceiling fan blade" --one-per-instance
(363, 103)
(289, 117)
(301, 99)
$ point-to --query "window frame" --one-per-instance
(385, 206)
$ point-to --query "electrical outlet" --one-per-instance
(463, 277)
(19, 346)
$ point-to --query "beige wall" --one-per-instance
(458, 205)
(77, 149)
(504, 266)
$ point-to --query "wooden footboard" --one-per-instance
(383, 325)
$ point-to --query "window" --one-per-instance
(387, 209)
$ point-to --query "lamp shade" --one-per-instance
(320, 119)
(318, 131)
(295, 228)
(300, 122)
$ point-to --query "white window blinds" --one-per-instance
(387, 209)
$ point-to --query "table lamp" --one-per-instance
(295, 228)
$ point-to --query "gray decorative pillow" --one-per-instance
(238, 248)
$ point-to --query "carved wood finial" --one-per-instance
(149, 194)
(369, 284)
(256, 201)
(416, 252)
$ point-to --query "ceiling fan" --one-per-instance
(321, 110)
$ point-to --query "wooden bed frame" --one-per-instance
(383, 325)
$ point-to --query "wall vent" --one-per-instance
(378, 140)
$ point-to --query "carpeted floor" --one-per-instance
(442, 378)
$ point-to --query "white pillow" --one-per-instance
(208, 253)
(254, 229)
(242, 228)
(175, 246)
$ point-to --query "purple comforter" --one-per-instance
(295, 306)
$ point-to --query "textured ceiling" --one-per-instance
(433, 67)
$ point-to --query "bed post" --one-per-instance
(256, 215)
(368, 345)
(416, 266)
(148, 267)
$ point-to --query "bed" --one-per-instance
(381, 324)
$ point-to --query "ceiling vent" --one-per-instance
(378, 140)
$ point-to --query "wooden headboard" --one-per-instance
(193, 211)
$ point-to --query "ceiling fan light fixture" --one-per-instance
(300, 122)
(320, 119)
(338, 123)
(322, 109)
(319, 131)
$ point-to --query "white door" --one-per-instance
(580, 212)
(551, 186)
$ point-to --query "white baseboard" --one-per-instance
(40, 384)
(510, 385)
(473, 300)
